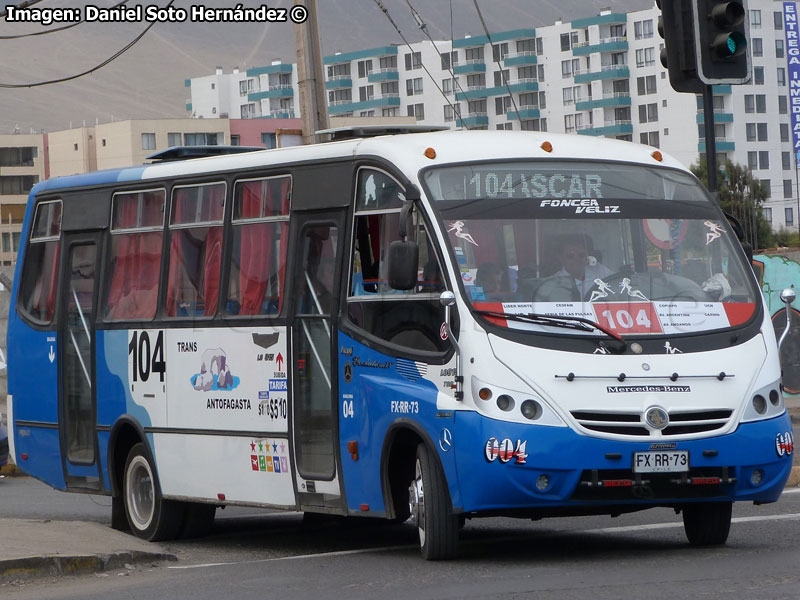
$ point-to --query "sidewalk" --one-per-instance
(31, 549)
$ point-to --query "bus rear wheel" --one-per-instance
(429, 505)
(707, 524)
(150, 516)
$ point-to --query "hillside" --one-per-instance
(148, 80)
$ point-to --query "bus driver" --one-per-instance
(580, 265)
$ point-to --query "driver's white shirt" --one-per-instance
(591, 272)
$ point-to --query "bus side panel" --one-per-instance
(506, 479)
(33, 386)
(375, 391)
(113, 393)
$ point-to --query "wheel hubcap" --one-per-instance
(140, 493)
(416, 502)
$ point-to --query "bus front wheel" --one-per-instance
(707, 524)
(429, 504)
(150, 516)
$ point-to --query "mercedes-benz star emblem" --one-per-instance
(656, 417)
(445, 440)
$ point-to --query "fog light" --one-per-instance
(774, 397)
(505, 402)
(543, 482)
(756, 477)
(485, 394)
(760, 404)
(531, 409)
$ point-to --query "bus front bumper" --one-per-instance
(510, 466)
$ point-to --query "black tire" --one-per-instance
(150, 516)
(707, 524)
(429, 503)
(198, 519)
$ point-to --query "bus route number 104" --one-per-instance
(628, 317)
(147, 357)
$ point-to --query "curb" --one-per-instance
(50, 566)
(10, 469)
(794, 477)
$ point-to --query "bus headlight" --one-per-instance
(758, 407)
(531, 409)
(505, 402)
(513, 404)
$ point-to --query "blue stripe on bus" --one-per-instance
(382, 394)
(89, 179)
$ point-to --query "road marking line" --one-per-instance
(627, 528)
(298, 556)
(794, 490)
(651, 526)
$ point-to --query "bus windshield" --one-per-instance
(636, 249)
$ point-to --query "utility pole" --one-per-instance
(310, 80)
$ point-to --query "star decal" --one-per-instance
(274, 447)
(252, 446)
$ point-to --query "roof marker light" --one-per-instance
(547, 146)
(657, 155)
(430, 153)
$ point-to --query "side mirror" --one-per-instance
(748, 252)
(738, 230)
(403, 255)
(403, 261)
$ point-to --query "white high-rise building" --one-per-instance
(597, 75)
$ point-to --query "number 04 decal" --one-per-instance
(147, 358)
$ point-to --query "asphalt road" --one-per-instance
(253, 554)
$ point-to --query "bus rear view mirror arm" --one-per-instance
(787, 296)
(448, 300)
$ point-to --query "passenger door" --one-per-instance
(314, 366)
(77, 398)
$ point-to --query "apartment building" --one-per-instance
(22, 165)
(260, 92)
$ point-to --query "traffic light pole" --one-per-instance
(711, 142)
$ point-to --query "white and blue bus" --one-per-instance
(439, 326)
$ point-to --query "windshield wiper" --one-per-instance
(565, 322)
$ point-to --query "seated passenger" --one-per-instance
(489, 277)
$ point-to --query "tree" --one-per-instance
(742, 196)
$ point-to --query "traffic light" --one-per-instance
(678, 55)
(721, 41)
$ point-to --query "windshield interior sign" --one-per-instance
(583, 205)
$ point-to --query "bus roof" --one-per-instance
(407, 151)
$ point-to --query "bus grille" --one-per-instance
(632, 424)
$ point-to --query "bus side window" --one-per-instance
(195, 250)
(260, 241)
(410, 318)
(39, 274)
(137, 224)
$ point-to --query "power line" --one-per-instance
(54, 30)
(423, 26)
(422, 64)
(25, 4)
(112, 58)
(489, 37)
